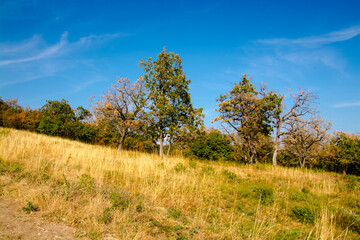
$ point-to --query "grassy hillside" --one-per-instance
(132, 195)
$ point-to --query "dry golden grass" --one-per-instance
(158, 198)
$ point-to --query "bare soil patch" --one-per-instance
(16, 224)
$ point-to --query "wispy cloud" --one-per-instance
(295, 60)
(48, 52)
(316, 41)
(34, 59)
(347, 104)
(22, 49)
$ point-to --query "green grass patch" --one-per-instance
(264, 193)
(30, 208)
(304, 214)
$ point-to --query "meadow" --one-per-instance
(132, 195)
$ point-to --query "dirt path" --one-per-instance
(16, 224)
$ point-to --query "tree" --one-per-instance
(54, 116)
(122, 108)
(212, 145)
(248, 112)
(170, 106)
(301, 107)
(305, 137)
(344, 153)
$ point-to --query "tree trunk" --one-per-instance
(169, 149)
(121, 142)
(275, 155)
(302, 163)
(161, 142)
(277, 141)
(252, 155)
(251, 159)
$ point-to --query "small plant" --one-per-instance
(86, 183)
(192, 164)
(207, 170)
(292, 234)
(174, 213)
(30, 208)
(140, 207)
(351, 183)
(304, 214)
(177, 228)
(230, 175)
(264, 193)
(180, 167)
(119, 201)
(181, 237)
(106, 216)
(348, 219)
(305, 190)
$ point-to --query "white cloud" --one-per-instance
(348, 104)
(48, 52)
(36, 60)
(33, 49)
(316, 41)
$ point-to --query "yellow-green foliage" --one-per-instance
(142, 196)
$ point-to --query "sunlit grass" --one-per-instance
(132, 195)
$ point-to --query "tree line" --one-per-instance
(155, 114)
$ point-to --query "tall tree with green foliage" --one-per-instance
(248, 112)
(54, 116)
(170, 105)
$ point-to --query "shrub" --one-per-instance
(207, 170)
(264, 193)
(119, 201)
(86, 183)
(304, 214)
(180, 167)
(213, 146)
(30, 208)
(174, 213)
(230, 175)
(106, 216)
(192, 164)
(348, 219)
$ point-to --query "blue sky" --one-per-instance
(76, 49)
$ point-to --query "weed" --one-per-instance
(119, 200)
(10, 167)
(94, 234)
(174, 213)
(305, 190)
(292, 234)
(178, 228)
(30, 208)
(348, 219)
(351, 183)
(230, 175)
(181, 237)
(264, 193)
(86, 183)
(192, 164)
(180, 167)
(304, 214)
(106, 216)
(140, 207)
(207, 170)
(193, 230)
(298, 196)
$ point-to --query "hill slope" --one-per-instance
(131, 195)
